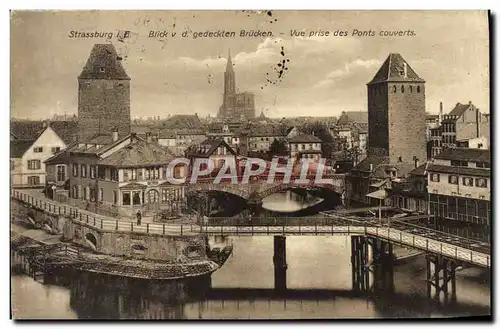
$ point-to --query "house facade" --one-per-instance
(305, 146)
(120, 176)
(28, 158)
(459, 185)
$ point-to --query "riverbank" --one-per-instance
(26, 241)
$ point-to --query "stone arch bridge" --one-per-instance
(258, 188)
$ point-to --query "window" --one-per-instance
(101, 194)
(125, 175)
(33, 180)
(12, 165)
(394, 89)
(418, 89)
(38, 149)
(411, 88)
(114, 174)
(457, 163)
(482, 165)
(92, 171)
(126, 198)
(34, 164)
(61, 173)
(115, 197)
(101, 172)
(55, 149)
(165, 195)
(133, 175)
(102, 69)
(453, 179)
(481, 182)
(435, 177)
(137, 198)
(74, 192)
(402, 89)
(467, 181)
(83, 170)
(79, 191)
(139, 174)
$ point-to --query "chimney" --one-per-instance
(405, 70)
(114, 134)
(440, 118)
(371, 167)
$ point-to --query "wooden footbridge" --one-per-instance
(37, 258)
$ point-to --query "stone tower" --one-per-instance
(103, 94)
(396, 112)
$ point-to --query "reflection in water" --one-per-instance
(243, 288)
(290, 201)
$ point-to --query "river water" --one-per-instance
(318, 286)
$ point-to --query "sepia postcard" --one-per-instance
(250, 164)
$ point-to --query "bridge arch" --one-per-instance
(243, 193)
(282, 187)
(91, 240)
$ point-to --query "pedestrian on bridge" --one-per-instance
(139, 218)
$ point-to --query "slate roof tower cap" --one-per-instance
(104, 63)
(395, 69)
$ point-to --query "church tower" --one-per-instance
(229, 77)
(103, 94)
(396, 113)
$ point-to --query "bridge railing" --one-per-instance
(415, 241)
(269, 221)
(432, 242)
(101, 222)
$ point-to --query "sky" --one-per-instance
(324, 75)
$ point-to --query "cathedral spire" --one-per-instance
(229, 65)
(229, 76)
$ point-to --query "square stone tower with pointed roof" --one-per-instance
(103, 94)
(396, 113)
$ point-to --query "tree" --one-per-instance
(278, 146)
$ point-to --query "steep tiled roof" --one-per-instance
(167, 134)
(66, 130)
(364, 165)
(19, 147)
(353, 117)
(465, 154)
(61, 157)
(104, 63)
(28, 130)
(183, 121)
(305, 138)
(207, 147)
(392, 70)
(139, 153)
(460, 109)
(419, 171)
